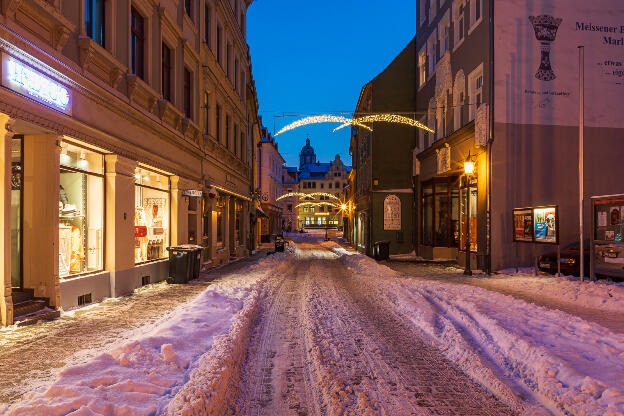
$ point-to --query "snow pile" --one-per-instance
(558, 360)
(601, 294)
(142, 376)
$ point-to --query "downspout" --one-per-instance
(490, 142)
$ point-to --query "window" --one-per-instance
(235, 75)
(220, 212)
(206, 113)
(421, 11)
(322, 186)
(227, 131)
(459, 95)
(151, 215)
(94, 21)
(166, 72)
(137, 40)
(234, 139)
(219, 50)
(476, 12)
(330, 185)
(218, 122)
(188, 9)
(228, 57)
(337, 185)
(207, 25)
(472, 192)
(431, 49)
(458, 20)
(242, 147)
(314, 185)
(238, 221)
(422, 66)
(432, 9)
(290, 207)
(81, 210)
(444, 40)
(475, 91)
(188, 107)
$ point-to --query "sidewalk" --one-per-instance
(546, 291)
(31, 356)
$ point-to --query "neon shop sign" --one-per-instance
(27, 81)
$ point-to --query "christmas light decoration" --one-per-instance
(303, 195)
(325, 118)
(386, 118)
(316, 204)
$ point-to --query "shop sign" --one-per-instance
(444, 158)
(26, 81)
(536, 225)
(392, 213)
(193, 193)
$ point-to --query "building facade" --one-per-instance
(328, 181)
(383, 187)
(501, 87)
(290, 184)
(127, 130)
(269, 174)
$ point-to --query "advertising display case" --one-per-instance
(536, 225)
(607, 245)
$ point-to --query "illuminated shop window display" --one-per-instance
(221, 203)
(81, 210)
(151, 215)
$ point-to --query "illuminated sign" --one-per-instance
(193, 193)
(25, 80)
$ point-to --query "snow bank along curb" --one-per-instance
(142, 376)
(490, 336)
(213, 385)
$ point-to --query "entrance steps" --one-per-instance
(28, 309)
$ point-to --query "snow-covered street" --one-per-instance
(320, 330)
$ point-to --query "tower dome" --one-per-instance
(307, 155)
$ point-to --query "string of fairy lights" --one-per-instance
(354, 121)
(304, 195)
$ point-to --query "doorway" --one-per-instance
(17, 199)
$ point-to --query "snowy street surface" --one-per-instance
(320, 330)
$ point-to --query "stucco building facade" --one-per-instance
(127, 129)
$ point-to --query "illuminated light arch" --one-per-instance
(303, 195)
(387, 118)
(317, 204)
(320, 119)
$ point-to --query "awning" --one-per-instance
(260, 213)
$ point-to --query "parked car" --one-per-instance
(570, 260)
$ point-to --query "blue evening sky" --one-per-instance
(314, 56)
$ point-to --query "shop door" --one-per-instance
(17, 176)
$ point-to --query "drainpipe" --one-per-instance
(490, 142)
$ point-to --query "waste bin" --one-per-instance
(279, 244)
(184, 263)
(381, 250)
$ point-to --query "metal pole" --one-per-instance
(467, 271)
(581, 127)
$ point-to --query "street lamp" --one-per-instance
(469, 167)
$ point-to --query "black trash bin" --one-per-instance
(184, 263)
(381, 250)
(180, 265)
(279, 244)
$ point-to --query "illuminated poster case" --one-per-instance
(607, 243)
(536, 225)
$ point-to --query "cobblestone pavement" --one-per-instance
(451, 274)
(325, 346)
(30, 357)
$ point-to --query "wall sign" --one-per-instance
(193, 193)
(29, 82)
(536, 65)
(392, 213)
(443, 156)
(536, 225)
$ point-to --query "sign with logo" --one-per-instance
(27, 81)
(193, 193)
(536, 64)
(392, 213)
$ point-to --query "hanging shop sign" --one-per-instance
(536, 225)
(392, 213)
(27, 81)
(193, 193)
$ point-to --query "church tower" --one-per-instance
(307, 155)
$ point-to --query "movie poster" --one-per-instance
(523, 225)
(545, 225)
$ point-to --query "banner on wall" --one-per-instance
(536, 61)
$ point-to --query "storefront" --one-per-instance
(151, 215)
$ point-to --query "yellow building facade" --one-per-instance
(127, 129)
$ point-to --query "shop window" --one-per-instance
(428, 215)
(94, 20)
(137, 39)
(17, 176)
(238, 221)
(221, 204)
(151, 215)
(166, 72)
(441, 212)
(81, 210)
(473, 217)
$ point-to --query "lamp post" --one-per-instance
(468, 171)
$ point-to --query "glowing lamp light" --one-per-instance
(137, 177)
(344, 207)
(469, 167)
